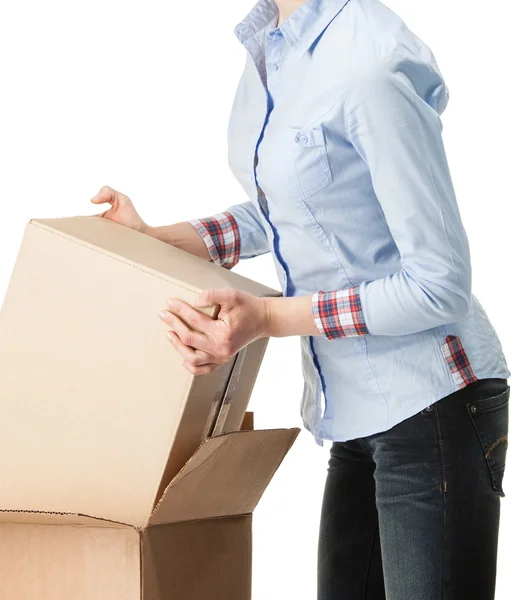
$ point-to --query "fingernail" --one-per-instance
(170, 303)
(162, 314)
(169, 335)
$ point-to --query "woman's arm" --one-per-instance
(181, 235)
(394, 124)
(223, 238)
(234, 234)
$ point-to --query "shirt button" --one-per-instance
(473, 408)
(429, 408)
(301, 138)
(273, 66)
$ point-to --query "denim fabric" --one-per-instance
(413, 513)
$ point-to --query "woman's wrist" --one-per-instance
(147, 230)
(163, 233)
(289, 316)
(180, 235)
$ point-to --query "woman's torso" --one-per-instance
(326, 229)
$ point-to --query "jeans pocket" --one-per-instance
(490, 417)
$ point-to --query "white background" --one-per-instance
(136, 95)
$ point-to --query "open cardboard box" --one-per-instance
(194, 545)
(103, 494)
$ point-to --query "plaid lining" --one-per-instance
(457, 360)
(338, 313)
(221, 235)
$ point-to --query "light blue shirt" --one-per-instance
(335, 136)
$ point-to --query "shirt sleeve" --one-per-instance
(234, 234)
(394, 124)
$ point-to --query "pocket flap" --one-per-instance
(309, 137)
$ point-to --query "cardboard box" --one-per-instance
(104, 495)
(195, 545)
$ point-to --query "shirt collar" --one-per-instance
(300, 29)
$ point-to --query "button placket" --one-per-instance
(261, 59)
(273, 50)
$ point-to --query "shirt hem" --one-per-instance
(320, 433)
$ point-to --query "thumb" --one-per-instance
(104, 195)
(211, 296)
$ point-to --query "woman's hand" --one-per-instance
(205, 343)
(181, 235)
(121, 211)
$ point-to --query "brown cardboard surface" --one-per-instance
(244, 387)
(248, 422)
(94, 417)
(198, 560)
(81, 417)
(195, 414)
(227, 400)
(146, 252)
(49, 518)
(60, 562)
(101, 418)
(226, 476)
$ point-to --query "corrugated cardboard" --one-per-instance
(196, 546)
(82, 348)
(112, 486)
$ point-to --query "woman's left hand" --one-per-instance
(205, 343)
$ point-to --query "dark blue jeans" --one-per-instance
(413, 513)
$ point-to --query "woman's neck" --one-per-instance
(286, 8)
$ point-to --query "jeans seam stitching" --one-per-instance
(443, 465)
(369, 560)
(502, 439)
(441, 449)
(443, 549)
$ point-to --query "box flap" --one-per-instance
(159, 257)
(55, 518)
(226, 476)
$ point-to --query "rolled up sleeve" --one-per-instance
(234, 234)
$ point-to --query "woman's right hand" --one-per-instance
(121, 211)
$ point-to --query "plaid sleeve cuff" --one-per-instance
(222, 237)
(338, 313)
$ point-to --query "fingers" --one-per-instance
(195, 359)
(105, 194)
(202, 370)
(222, 296)
(194, 318)
(188, 336)
(196, 362)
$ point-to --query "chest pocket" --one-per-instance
(310, 160)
